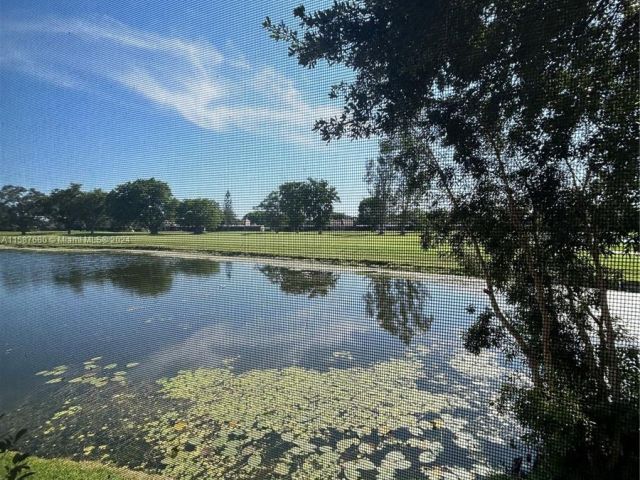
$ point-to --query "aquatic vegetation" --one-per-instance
(393, 419)
(90, 376)
(54, 372)
(364, 422)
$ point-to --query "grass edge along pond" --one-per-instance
(62, 468)
(392, 250)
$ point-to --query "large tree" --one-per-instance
(380, 177)
(293, 202)
(65, 206)
(525, 115)
(199, 214)
(369, 212)
(20, 208)
(229, 214)
(319, 200)
(271, 211)
(93, 209)
(145, 202)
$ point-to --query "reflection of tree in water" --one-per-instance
(228, 269)
(312, 283)
(398, 306)
(143, 276)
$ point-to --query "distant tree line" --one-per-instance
(140, 204)
(149, 204)
(296, 204)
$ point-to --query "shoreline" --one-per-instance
(294, 263)
(276, 261)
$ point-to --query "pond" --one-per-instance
(205, 369)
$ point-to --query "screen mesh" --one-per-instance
(352, 240)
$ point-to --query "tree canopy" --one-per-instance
(20, 208)
(298, 203)
(319, 200)
(199, 213)
(147, 203)
(228, 213)
(93, 209)
(522, 116)
(65, 205)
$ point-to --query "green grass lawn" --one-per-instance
(63, 469)
(392, 250)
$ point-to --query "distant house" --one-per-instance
(246, 222)
(170, 226)
(341, 220)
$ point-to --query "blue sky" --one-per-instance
(190, 92)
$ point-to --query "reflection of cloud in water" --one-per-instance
(259, 342)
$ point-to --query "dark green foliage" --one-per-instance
(369, 212)
(270, 212)
(292, 203)
(298, 203)
(17, 468)
(144, 203)
(319, 199)
(483, 334)
(65, 206)
(228, 213)
(311, 283)
(93, 206)
(20, 208)
(199, 213)
(380, 178)
(522, 119)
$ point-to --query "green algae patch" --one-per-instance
(296, 423)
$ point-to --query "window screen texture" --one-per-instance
(363, 239)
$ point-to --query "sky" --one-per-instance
(192, 92)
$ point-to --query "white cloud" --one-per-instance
(190, 77)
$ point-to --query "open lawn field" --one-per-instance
(362, 248)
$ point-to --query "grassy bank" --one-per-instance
(391, 250)
(63, 469)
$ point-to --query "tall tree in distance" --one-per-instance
(369, 212)
(527, 119)
(199, 214)
(93, 209)
(380, 177)
(293, 202)
(146, 202)
(409, 182)
(319, 200)
(20, 208)
(270, 211)
(65, 206)
(228, 213)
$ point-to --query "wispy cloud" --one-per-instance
(190, 77)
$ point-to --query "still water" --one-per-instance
(205, 369)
